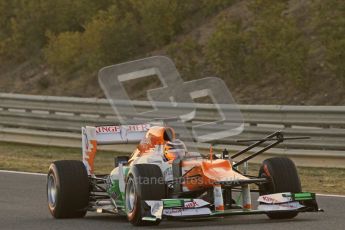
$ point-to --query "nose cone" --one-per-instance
(220, 170)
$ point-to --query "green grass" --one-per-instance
(31, 158)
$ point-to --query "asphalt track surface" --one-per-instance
(23, 206)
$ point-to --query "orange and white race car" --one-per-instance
(163, 180)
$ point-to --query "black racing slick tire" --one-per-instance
(67, 189)
(144, 182)
(283, 176)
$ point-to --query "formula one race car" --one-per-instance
(163, 180)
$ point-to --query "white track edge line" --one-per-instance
(25, 173)
(330, 195)
(43, 174)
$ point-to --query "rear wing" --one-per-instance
(107, 135)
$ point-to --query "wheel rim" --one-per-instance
(52, 190)
(130, 195)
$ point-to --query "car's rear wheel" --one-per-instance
(283, 177)
(144, 182)
(67, 189)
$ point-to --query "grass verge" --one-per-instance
(30, 158)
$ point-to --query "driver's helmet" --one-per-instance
(174, 149)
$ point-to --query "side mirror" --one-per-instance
(225, 154)
(120, 160)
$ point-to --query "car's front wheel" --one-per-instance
(144, 182)
(283, 176)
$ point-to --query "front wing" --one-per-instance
(198, 208)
